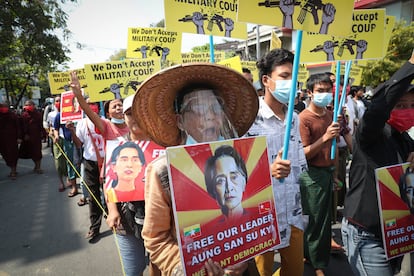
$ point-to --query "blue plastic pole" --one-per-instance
(212, 60)
(292, 95)
(336, 99)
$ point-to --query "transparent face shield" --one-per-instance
(201, 118)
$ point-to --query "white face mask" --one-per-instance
(282, 90)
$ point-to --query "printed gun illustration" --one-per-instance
(274, 4)
(311, 6)
(157, 49)
(215, 19)
(190, 18)
(113, 88)
(349, 43)
(134, 84)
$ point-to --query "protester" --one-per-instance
(275, 71)
(93, 152)
(381, 139)
(247, 74)
(318, 130)
(10, 138)
(33, 133)
(186, 104)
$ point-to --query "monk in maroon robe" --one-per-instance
(33, 133)
(10, 137)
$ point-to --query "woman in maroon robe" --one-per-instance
(10, 138)
(33, 133)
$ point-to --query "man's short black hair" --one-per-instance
(317, 79)
(246, 70)
(274, 58)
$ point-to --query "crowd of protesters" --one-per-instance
(368, 134)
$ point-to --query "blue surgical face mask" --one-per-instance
(117, 121)
(322, 99)
(282, 90)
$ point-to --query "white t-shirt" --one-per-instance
(83, 135)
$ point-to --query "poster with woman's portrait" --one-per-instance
(125, 164)
(70, 109)
(223, 200)
(395, 190)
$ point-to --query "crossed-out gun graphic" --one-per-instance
(311, 6)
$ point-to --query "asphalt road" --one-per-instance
(42, 230)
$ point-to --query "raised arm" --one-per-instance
(76, 89)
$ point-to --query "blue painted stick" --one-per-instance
(341, 102)
(335, 111)
(292, 95)
(212, 60)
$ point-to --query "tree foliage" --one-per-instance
(29, 45)
(399, 51)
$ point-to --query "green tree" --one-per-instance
(29, 46)
(399, 51)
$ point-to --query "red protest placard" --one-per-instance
(125, 168)
(70, 109)
(223, 202)
(395, 190)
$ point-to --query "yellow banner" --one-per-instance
(154, 43)
(118, 79)
(326, 17)
(59, 81)
(210, 17)
(233, 63)
(364, 42)
(201, 56)
(303, 75)
(251, 65)
(275, 42)
(355, 74)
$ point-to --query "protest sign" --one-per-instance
(361, 43)
(395, 191)
(216, 17)
(70, 109)
(200, 175)
(201, 56)
(59, 81)
(251, 65)
(325, 17)
(125, 166)
(154, 43)
(355, 74)
(233, 63)
(118, 79)
(389, 26)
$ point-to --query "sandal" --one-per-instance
(82, 201)
(72, 193)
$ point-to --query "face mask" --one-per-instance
(4, 109)
(322, 99)
(29, 108)
(282, 90)
(94, 108)
(57, 105)
(402, 119)
(117, 121)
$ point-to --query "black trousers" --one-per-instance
(95, 188)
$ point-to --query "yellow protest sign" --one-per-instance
(303, 75)
(59, 81)
(118, 79)
(364, 41)
(154, 43)
(210, 17)
(251, 65)
(233, 63)
(275, 42)
(201, 56)
(389, 26)
(325, 17)
(355, 74)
